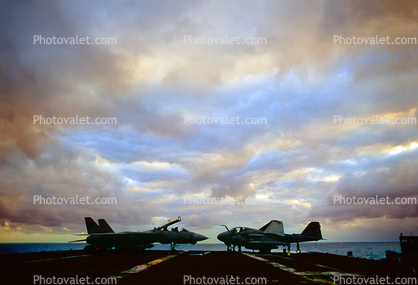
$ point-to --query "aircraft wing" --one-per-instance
(273, 227)
(138, 234)
(125, 238)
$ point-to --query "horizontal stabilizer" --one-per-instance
(80, 240)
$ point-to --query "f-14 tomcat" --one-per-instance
(268, 237)
(102, 236)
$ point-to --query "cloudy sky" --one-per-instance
(169, 86)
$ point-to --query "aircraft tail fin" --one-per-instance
(101, 228)
(313, 229)
(104, 226)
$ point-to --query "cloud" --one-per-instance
(150, 80)
(392, 178)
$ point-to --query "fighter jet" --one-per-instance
(268, 237)
(102, 236)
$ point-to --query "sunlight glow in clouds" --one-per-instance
(400, 149)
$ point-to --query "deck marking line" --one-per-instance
(145, 266)
(316, 264)
(309, 275)
(199, 254)
(58, 258)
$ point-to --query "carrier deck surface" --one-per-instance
(195, 267)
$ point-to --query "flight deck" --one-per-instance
(197, 267)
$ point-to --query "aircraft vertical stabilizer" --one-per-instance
(101, 228)
(91, 225)
(313, 229)
(104, 226)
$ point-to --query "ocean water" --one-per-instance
(370, 250)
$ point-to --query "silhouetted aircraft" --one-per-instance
(102, 236)
(268, 237)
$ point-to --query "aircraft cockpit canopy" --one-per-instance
(237, 230)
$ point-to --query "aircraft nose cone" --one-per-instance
(199, 237)
(223, 236)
